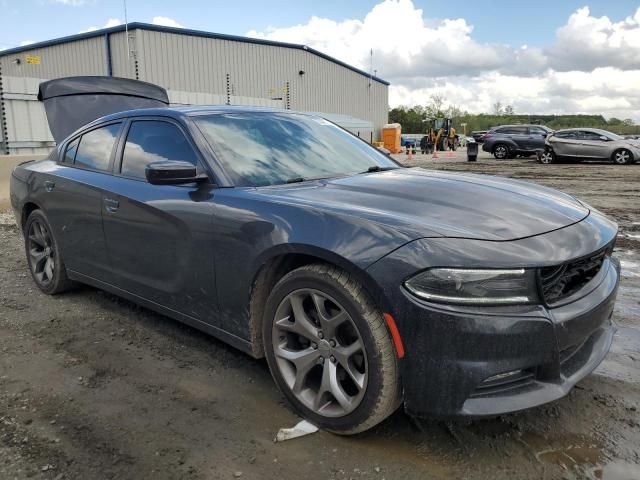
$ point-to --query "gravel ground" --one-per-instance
(92, 386)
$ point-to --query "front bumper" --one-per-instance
(480, 361)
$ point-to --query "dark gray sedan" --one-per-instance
(364, 284)
(575, 144)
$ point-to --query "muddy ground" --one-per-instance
(92, 386)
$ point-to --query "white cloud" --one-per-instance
(112, 22)
(166, 22)
(71, 3)
(592, 66)
(587, 42)
(24, 43)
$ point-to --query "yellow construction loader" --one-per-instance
(441, 135)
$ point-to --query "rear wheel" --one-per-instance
(500, 151)
(43, 255)
(622, 157)
(329, 350)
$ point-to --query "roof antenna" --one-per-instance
(126, 29)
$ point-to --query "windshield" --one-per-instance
(264, 148)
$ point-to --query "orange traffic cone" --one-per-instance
(435, 153)
(449, 153)
(410, 157)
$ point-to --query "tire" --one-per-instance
(622, 157)
(43, 255)
(547, 157)
(369, 391)
(501, 151)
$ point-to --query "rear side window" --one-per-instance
(512, 130)
(70, 154)
(151, 141)
(96, 146)
(566, 135)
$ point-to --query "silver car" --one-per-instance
(576, 144)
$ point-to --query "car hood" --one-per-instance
(424, 203)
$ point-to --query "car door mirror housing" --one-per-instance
(173, 172)
(603, 138)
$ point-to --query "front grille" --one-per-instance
(561, 281)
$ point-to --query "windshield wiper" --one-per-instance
(378, 168)
(296, 180)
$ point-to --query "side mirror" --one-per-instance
(603, 138)
(172, 172)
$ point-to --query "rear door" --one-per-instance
(517, 134)
(159, 236)
(74, 199)
(592, 145)
(536, 139)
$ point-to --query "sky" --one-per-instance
(561, 56)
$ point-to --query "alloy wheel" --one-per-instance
(41, 252)
(320, 353)
(501, 152)
(546, 157)
(622, 157)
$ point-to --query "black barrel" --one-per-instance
(472, 151)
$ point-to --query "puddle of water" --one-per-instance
(572, 456)
(568, 451)
(580, 456)
(630, 268)
(618, 470)
(623, 362)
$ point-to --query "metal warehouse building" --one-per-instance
(196, 68)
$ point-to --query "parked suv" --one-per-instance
(507, 141)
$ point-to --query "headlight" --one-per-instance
(464, 286)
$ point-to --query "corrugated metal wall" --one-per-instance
(194, 69)
(27, 130)
(197, 64)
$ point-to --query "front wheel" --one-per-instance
(501, 152)
(329, 350)
(547, 157)
(622, 157)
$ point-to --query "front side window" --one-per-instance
(537, 131)
(151, 141)
(96, 146)
(263, 148)
(591, 136)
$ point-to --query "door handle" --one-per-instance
(111, 205)
(49, 186)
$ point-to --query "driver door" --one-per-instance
(159, 236)
(593, 145)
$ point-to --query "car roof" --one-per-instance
(520, 125)
(584, 129)
(190, 110)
